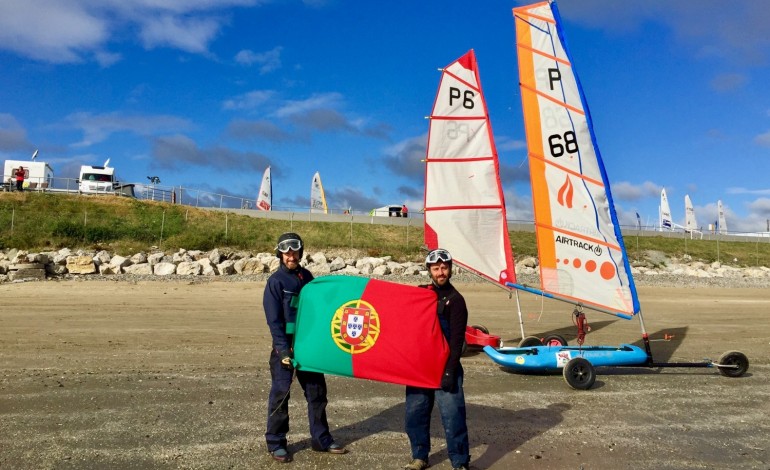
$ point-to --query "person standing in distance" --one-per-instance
(281, 288)
(453, 317)
(19, 174)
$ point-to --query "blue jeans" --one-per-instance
(451, 406)
(314, 386)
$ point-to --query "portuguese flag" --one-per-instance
(370, 329)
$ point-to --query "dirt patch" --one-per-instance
(174, 375)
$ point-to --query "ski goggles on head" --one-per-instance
(437, 255)
(291, 244)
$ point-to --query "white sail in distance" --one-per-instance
(666, 222)
(690, 223)
(265, 197)
(721, 220)
(317, 196)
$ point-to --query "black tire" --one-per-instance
(737, 360)
(579, 373)
(481, 328)
(554, 340)
(530, 341)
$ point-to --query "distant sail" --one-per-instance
(265, 198)
(666, 223)
(722, 221)
(690, 223)
(317, 196)
(582, 256)
(464, 204)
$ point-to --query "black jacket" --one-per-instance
(282, 286)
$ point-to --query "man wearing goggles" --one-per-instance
(453, 318)
(282, 286)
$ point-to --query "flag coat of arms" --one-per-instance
(370, 329)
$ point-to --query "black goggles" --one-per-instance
(438, 255)
(291, 244)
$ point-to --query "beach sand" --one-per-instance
(173, 374)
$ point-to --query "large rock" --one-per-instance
(102, 257)
(337, 264)
(139, 258)
(80, 264)
(226, 267)
(119, 262)
(27, 274)
(188, 268)
(141, 269)
(249, 266)
(164, 269)
(207, 268)
(155, 258)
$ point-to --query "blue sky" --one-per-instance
(206, 93)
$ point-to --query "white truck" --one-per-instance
(97, 179)
(101, 180)
(37, 175)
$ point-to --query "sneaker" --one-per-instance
(416, 464)
(281, 455)
(333, 448)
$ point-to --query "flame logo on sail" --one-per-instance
(565, 193)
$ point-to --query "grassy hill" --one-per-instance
(46, 221)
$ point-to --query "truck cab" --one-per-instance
(97, 179)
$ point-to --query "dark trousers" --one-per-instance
(451, 406)
(314, 386)
(19, 185)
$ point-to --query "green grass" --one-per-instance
(44, 222)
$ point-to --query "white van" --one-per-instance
(37, 175)
(97, 179)
(393, 210)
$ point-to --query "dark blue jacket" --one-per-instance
(282, 286)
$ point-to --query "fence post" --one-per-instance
(162, 224)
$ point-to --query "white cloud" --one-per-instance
(12, 135)
(269, 61)
(250, 100)
(317, 101)
(763, 140)
(623, 190)
(50, 30)
(728, 82)
(188, 34)
(737, 33)
(79, 30)
(98, 127)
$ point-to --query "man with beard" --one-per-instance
(281, 288)
(453, 317)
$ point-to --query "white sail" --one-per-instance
(317, 196)
(722, 222)
(265, 198)
(582, 256)
(690, 223)
(464, 204)
(666, 222)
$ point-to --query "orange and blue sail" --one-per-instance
(582, 256)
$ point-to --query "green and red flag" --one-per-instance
(370, 329)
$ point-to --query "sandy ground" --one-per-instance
(102, 374)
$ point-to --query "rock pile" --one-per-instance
(17, 265)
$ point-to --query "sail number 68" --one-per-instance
(559, 144)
